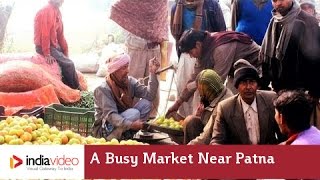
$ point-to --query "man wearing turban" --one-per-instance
(116, 115)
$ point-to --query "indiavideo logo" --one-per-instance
(15, 162)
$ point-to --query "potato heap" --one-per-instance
(168, 123)
(31, 130)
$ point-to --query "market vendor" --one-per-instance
(116, 116)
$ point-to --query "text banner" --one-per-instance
(242, 162)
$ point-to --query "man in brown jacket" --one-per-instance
(248, 117)
(217, 51)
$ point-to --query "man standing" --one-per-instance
(198, 128)
(50, 42)
(205, 15)
(290, 52)
(116, 112)
(217, 51)
(248, 117)
(251, 17)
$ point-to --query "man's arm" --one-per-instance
(191, 86)
(187, 92)
(44, 23)
(216, 17)
(104, 100)
(62, 41)
(219, 134)
(173, 10)
(234, 14)
(147, 92)
(205, 137)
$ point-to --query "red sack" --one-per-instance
(53, 69)
(21, 76)
(13, 102)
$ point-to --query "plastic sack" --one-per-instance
(52, 69)
(22, 76)
(15, 101)
(108, 51)
(86, 63)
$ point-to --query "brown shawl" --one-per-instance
(147, 19)
(177, 19)
(121, 93)
(214, 40)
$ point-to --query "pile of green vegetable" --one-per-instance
(86, 101)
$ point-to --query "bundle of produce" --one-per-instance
(166, 125)
(86, 101)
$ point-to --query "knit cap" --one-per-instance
(210, 82)
(311, 2)
(243, 71)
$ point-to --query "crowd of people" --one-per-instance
(255, 81)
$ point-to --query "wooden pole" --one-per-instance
(164, 58)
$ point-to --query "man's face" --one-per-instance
(122, 73)
(308, 8)
(282, 6)
(204, 99)
(57, 3)
(196, 51)
(278, 118)
(247, 90)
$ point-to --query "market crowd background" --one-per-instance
(88, 19)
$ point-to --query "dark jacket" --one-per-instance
(230, 126)
(300, 66)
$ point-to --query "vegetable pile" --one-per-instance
(86, 101)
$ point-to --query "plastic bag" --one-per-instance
(15, 101)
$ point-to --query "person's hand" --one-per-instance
(200, 110)
(136, 125)
(50, 59)
(153, 65)
(173, 108)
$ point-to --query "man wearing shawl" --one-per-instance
(290, 52)
(146, 23)
(217, 51)
(198, 128)
(116, 115)
(203, 15)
